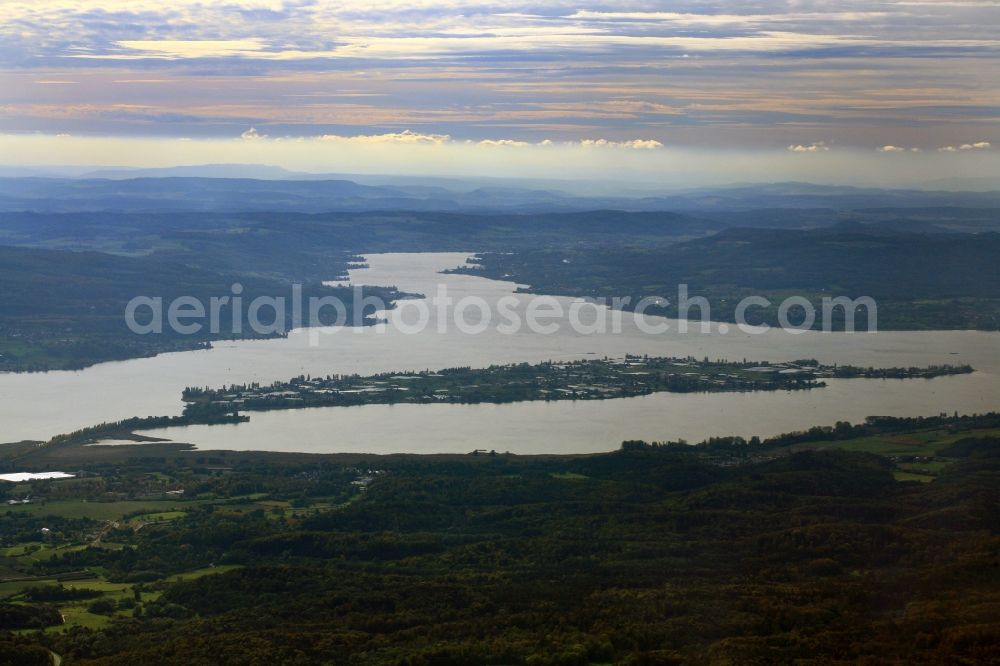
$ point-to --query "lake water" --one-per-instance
(40, 405)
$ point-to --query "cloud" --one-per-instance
(725, 19)
(634, 144)
(410, 137)
(716, 75)
(456, 45)
(643, 144)
(504, 142)
(175, 49)
(404, 137)
(817, 147)
(979, 145)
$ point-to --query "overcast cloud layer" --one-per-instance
(913, 80)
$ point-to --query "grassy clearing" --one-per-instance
(207, 571)
(99, 510)
(287, 511)
(38, 552)
(79, 616)
(910, 476)
(568, 475)
(920, 444)
(161, 517)
(20, 549)
(274, 504)
(47, 552)
(76, 613)
(931, 466)
(117, 590)
(14, 587)
(924, 443)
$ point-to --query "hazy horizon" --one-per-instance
(579, 186)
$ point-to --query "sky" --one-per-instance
(893, 92)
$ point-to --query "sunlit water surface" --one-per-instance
(37, 406)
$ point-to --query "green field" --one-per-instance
(910, 476)
(921, 443)
(568, 475)
(161, 517)
(14, 587)
(101, 510)
(207, 571)
(76, 613)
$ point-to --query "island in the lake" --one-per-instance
(594, 379)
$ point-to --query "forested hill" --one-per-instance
(846, 258)
(937, 280)
(63, 309)
(67, 309)
(290, 245)
(296, 244)
(725, 553)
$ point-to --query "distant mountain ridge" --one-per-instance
(254, 171)
(166, 193)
